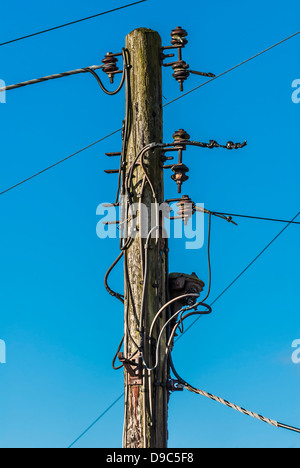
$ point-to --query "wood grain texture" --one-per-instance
(145, 415)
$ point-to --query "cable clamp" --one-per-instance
(175, 386)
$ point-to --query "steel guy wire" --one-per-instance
(70, 23)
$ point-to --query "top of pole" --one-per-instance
(143, 30)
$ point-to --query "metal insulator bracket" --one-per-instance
(180, 67)
(110, 65)
(133, 368)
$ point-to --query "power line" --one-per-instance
(233, 68)
(272, 422)
(223, 292)
(255, 217)
(95, 67)
(58, 162)
(51, 77)
(90, 69)
(255, 259)
(193, 323)
(242, 273)
(71, 23)
(258, 256)
(89, 146)
(167, 104)
(96, 420)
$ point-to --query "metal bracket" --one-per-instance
(133, 368)
(175, 386)
(180, 67)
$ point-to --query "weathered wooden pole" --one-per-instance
(146, 396)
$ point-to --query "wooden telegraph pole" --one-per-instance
(146, 394)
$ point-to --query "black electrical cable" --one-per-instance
(106, 91)
(124, 76)
(133, 305)
(118, 296)
(289, 222)
(174, 100)
(70, 23)
(116, 356)
(208, 258)
(244, 271)
(126, 130)
(56, 76)
(180, 312)
(227, 403)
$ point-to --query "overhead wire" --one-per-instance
(201, 392)
(255, 217)
(244, 270)
(134, 164)
(52, 77)
(95, 422)
(227, 403)
(90, 70)
(58, 162)
(230, 285)
(171, 102)
(189, 387)
(70, 23)
(209, 395)
(232, 69)
(83, 70)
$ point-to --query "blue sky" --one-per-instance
(60, 327)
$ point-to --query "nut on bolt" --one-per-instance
(181, 135)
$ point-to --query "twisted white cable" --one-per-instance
(51, 77)
(272, 422)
